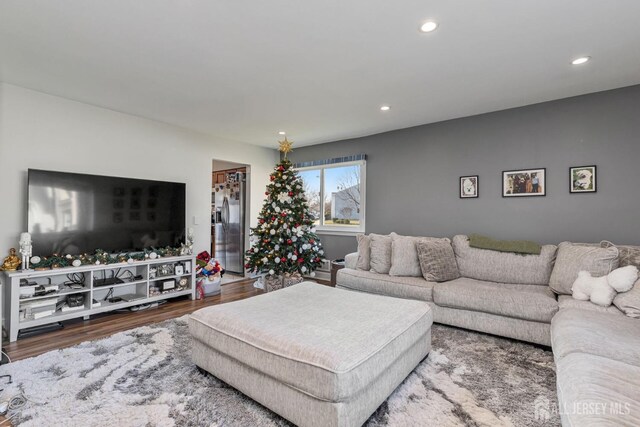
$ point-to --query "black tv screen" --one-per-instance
(72, 213)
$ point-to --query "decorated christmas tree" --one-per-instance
(285, 241)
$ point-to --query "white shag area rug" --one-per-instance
(145, 377)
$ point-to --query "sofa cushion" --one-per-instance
(364, 252)
(383, 284)
(326, 342)
(575, 258)
(629, 302)
(500, 267)
(437, 260)
(596, 391)
(380, 253)
(567, 301)
(404, 256)
(528, 302)
(583, 331)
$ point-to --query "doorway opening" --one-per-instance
(230, 189)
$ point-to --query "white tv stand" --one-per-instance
(138, 278)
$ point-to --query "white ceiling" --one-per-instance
(243, 70)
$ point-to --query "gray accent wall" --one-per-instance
(413, 174)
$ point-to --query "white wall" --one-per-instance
(47, 132)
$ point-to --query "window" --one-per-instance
(335, 193)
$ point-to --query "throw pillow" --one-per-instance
(437, 260)
(575, 258)
(629, 255)
(629, 302)
(364, 253)
(380, 253)
(404, 256)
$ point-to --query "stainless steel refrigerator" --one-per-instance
(230, 204)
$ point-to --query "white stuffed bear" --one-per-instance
(603, 290)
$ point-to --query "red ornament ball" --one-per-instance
(291, 193)
(272, 178)
(289, 241)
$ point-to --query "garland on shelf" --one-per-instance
(101, 257)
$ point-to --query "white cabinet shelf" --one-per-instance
(13, 303)
(163, 278)
(57, 294)
(119, 285)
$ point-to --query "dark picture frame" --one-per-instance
(467, 192)
(524, 183)
(583, 179)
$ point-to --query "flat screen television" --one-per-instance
(71, 213)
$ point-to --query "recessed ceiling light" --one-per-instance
(428, 26)
(282, 132)
(581, 60)
(385, 108)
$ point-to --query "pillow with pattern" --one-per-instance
(437, 260)
(629, 255)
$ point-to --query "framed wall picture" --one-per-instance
(583, 179)
(524, 183)
(469, 187)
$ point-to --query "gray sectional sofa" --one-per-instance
(499, 293)
(596, 349)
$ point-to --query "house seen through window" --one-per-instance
(336, 195)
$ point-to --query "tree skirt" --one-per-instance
(145, 377)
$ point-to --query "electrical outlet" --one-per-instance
(196, 220)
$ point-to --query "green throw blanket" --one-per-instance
(516, 246)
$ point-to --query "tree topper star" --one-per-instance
(285, 146)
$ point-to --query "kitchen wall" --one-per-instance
(47, 132)
(413, 174)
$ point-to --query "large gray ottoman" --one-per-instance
(316, 355)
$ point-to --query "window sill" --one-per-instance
(351, 233)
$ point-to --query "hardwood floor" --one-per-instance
(100, 326)
(104, 325)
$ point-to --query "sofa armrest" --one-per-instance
(350, 260)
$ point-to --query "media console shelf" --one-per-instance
(100, 288)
